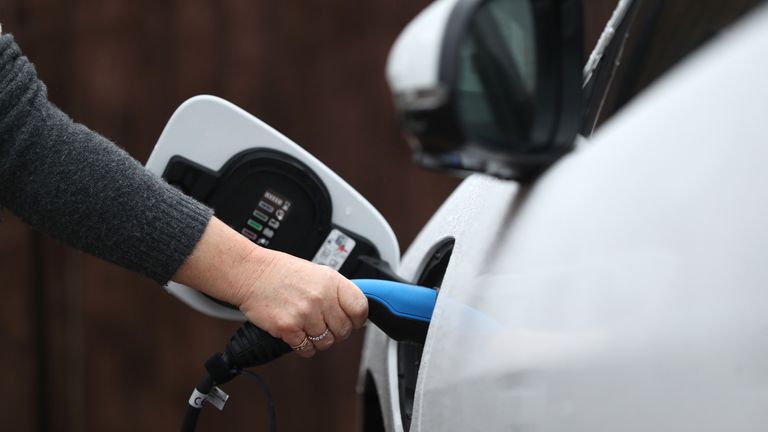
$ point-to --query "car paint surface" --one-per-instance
(626, 288)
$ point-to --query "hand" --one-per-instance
(286, 296)
(292, 299)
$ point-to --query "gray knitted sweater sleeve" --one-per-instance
(73, 184)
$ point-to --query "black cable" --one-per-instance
(249, 346)
(270, 402)
(189, 421)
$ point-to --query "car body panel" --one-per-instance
(624, 290)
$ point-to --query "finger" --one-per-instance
(353, 302)
(324, 340)
(300, 344)
(338, 321)
(316, 330)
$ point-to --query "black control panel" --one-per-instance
(277, 202)
(264, 221)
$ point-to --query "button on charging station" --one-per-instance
(266, 207)
(261, 216)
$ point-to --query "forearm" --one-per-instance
(224, 264)
(76, 186)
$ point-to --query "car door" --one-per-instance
(624, 289)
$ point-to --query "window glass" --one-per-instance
(662, 33)
(497, 71)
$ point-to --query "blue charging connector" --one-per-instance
(402, 311)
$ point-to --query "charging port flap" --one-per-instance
(270, 190)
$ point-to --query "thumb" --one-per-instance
(353, 302)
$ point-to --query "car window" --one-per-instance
(659, 34)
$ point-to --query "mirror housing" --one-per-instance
(491, 86)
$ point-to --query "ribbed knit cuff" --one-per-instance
(180, 222)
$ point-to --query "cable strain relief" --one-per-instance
(251, 346)
(219, 369)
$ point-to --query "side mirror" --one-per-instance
(490, 86)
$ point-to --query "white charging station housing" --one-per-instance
(210, 131)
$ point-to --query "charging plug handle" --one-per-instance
(402, 311)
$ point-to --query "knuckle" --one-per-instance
(304, 309)
(286, 326)
(315, 295)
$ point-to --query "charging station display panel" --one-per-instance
(277, 202)
(273, 209)
(264, 222)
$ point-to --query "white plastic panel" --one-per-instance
(209, 131)
(626, 290)
(414, 59)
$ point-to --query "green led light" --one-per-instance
(255, 225)
(260, 215)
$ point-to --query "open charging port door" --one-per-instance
(270, 190)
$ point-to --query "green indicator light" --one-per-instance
(260, 215)
(255, 225)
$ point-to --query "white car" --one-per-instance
(602, 270)
(626, 288)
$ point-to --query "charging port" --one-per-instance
(409, 353)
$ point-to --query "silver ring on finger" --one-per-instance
(320, 337)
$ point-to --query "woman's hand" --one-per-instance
(292, 299)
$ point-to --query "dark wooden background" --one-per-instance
(89, 346)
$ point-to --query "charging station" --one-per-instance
(270, 190)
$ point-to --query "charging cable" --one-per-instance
(250, 346)
(401, 310)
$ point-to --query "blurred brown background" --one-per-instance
(89, 346)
